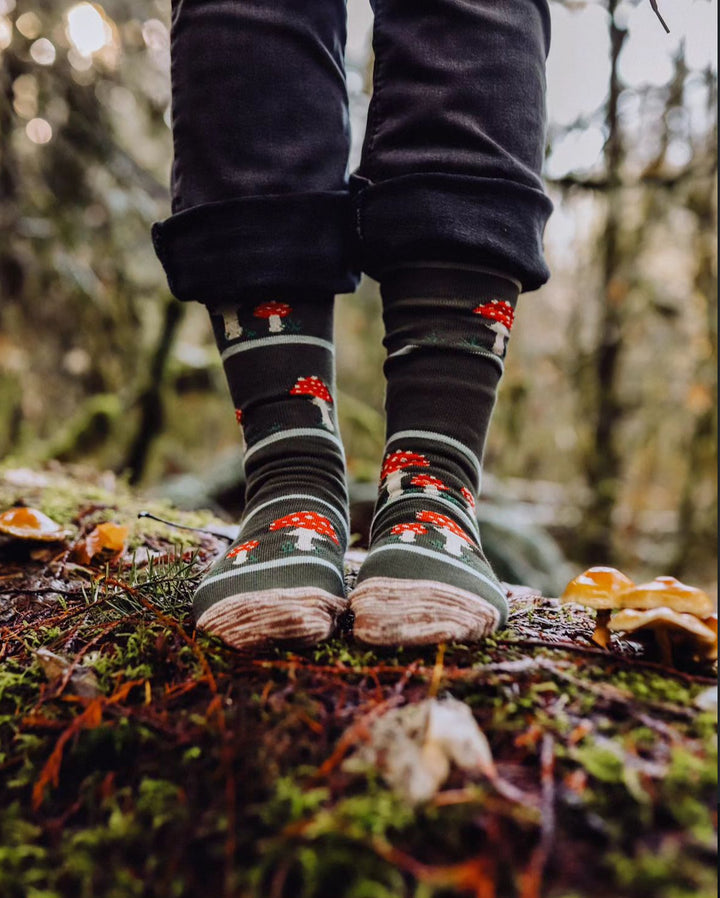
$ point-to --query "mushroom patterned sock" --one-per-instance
(282, 579)
(425, 578)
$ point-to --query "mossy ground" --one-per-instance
(191, 770)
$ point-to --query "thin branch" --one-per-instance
(653, 4)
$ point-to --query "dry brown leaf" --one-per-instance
(414, 747)
(82, 682)
(103, 543)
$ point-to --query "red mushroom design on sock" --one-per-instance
(274, 312)
(314, 387)
(233, 330)
(431, 486)
(240, 553)
(502, 315)
(455, 538)
(239, 416)
(308, 525)
(468, 497)
(408, 532)
(394, 467)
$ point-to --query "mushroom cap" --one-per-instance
(428, 480)
(266, 309)
(686, 626)
(499, 310)
(667, 592)
(238, 415)
(29, 523)
(711, 624)
(411, 528)
(245, 547)
(399, 459)
(441, 520)
(597, 587)
(311, 386)
(468, 496)
(307, 520)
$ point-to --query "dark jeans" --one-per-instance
(450, 170)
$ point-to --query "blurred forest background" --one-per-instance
(605, 432)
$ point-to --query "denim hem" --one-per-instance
(252, 245)
(451, 218)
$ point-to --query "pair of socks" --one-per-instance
(425, 578)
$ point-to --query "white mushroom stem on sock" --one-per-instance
(393, 484)
(232, 325)
(394, 467)
(453, 542)
(502, 332)
(305, 538)
(319, 394)
(324, 412)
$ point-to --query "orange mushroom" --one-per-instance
(669, 626)
(667, 592)
(599, 588)
(31, 524)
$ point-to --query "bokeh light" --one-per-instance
(39, 130)
(5, 33)
(43, 51)
(87, 28)
(29, 25)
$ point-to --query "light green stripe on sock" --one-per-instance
(268, 342)
(270, 565)
(294, 433)
(438, 556)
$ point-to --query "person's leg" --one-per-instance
(260, 234)
(450, 211)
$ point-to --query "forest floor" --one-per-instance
(139, 758)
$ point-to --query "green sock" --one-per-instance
(281, 581)
(426, 578)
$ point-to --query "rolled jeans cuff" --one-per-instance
(454, 218)
(257, 246)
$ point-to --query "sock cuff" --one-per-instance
(439, 281)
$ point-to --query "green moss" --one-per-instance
(230, 785)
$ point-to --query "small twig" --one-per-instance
(216, 533)
(653, 4)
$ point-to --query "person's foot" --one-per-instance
(425, 578)
(282, 580)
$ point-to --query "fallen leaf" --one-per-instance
(103, 543)
(414, 747)
(82, 682)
